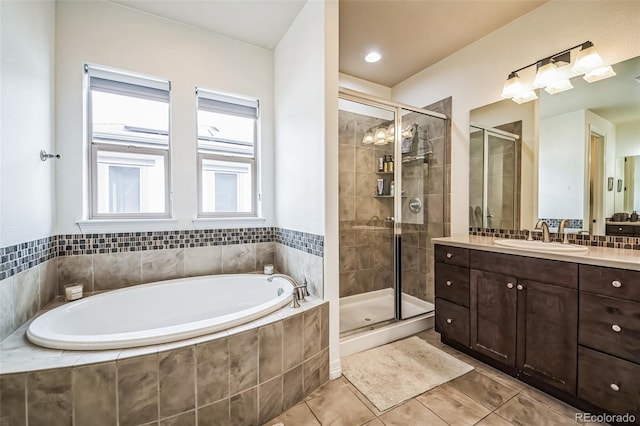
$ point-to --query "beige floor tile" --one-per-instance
(374, 422)
(453, 406)
(501, 377)
(411, 413)
(493, 420)
(328, 387)
(549, 401)
(364, 400)
(340, 407)
(483, 389)
(298, 415)
(521, 410)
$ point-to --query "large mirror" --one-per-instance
(573, 155)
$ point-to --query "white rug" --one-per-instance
(390, 374)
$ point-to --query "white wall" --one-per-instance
(561, 182)
(107, 34)
(474, 76)
(354, 83)
(299, 87)
(628, 139)
(27, 37)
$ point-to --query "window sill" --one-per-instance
(227, 222)
(101, 226)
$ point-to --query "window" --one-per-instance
(128, 124)
(227, 128)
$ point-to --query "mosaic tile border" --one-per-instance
(630, 243)
(573, 223)
(78, 244)
(304, 241)
(20, 257)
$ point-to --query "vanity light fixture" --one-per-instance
(372, 57)
(554, 79)
(368, 138)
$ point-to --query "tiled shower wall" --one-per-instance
(366, 244)
(35, 273)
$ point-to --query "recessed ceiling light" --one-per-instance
(372, 57)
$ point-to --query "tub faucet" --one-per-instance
(545, 231)
(563, 224)
(299, 291)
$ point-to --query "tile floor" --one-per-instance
(483, 397)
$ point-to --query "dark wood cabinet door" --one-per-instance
(493, 315)
(547, 337)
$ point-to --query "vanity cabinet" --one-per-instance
(522, 321)
(570, 329)
(623, 230)
(609, 338)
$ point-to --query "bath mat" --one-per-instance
(390, 374)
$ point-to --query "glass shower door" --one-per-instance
(366, 204)
(419, 209)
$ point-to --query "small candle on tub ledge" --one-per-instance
(268, 269)
(73, 292)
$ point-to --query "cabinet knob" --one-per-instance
(616, 284)
(449, 283)
(449, 320)
(620, 229)
(616, 328)
(614, 387)
(449, 255)
(519, 287)
(509, 285)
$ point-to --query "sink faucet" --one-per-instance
(299, 291)
(563, 224)
(545, 231)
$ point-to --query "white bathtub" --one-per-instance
(159, 312)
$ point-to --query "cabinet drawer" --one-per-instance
(599, 375)
(452, 283)
(620, 283)
(452, 321)
(452, 255)
(610, 325)
(623, 230)
(564, 274)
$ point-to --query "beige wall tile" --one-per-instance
(212, 371)
(160, 265)
(138, 390)
(184, 419)
(243, 361)
(26, 295)
(94, 394)
(48, 281)
(216, 414)
(270, 358)
(12, 399)
(238, 258)
(7, 325)
(265, 254)
(244, 408)
(270, 399)
(311, 332)
(292, 387)
(116, 270)
(177, 376)
(202, 261)
(292, 341)
(75, 269)
(49, 398)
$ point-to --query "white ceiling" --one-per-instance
(410, 34)
(258, 22)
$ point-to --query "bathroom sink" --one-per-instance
(540, 246)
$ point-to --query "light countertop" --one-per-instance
(599, 256)
(623, 223)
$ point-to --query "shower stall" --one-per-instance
(392, 198)
(493, 177)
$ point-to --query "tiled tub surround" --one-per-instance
(246, 375)
(37, 271)
(629, 243)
